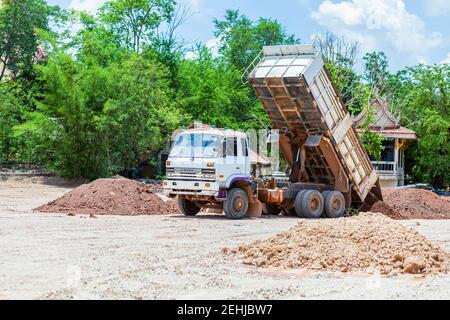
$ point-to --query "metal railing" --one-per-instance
(251, 66)
(385, 166)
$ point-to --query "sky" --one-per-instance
(408, 31)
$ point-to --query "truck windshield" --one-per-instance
(196, 145)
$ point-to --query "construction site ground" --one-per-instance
(57, 256)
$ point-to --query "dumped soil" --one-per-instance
(413, 204)
(384, 208)
(117, 196)
(370, 242)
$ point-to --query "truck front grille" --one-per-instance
(191, 173)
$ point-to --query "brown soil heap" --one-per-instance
(415, 204)
(384, 208)
(366, 242)
(112, 197)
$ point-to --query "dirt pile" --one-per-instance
(415, 204)
(384, 208)
(369, 242)
(118, 196)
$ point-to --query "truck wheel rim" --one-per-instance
(314, 204)
(336, 204)
(238, 204)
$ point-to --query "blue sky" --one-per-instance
(408, 31)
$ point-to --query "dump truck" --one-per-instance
(330, 169)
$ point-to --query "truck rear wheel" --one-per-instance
(334, 204)
(271, 209)
(236, 205)
(298, 203)
(187, 207)
(312, 204)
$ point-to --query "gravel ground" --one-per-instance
(55, 256)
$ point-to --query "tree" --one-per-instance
(340, 58)
(95, 44)
(372, 141)
(211, 91)
(96, 121)
(336, 50)
(375, 70)
(241, 39)
(136, 21)
(20, 24)
(421, 95)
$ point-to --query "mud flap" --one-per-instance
(254, 209)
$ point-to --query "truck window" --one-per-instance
(244, 147)
(232, 147)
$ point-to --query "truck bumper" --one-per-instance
(196, 188)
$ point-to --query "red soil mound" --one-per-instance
(112, 197)
(415, 204)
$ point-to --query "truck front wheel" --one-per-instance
(187, 207)
(236, 205)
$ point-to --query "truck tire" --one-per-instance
(271, 209)
(312, 204)
(298, 204)
(187, 207)
(324, 196)
(236, 205)
(334, 204)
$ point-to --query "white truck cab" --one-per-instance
(203, 167)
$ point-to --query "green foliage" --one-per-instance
(11, 112)
(241, 39)
(95, 44)
(212, 93)
(353, 92)
(375, 70)
(421, 95)
(372, 142)
(20, 24)
(99, 120)
(135, 21)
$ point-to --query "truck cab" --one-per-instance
(203, 168)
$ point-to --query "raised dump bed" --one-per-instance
(316, 128)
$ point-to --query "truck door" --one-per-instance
(246, 163)
(236, 161)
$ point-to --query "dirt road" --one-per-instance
(167, 257)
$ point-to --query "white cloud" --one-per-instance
(213, 45)
(347, 12)
(90, 6)
(447, 59)
(378, 24)
(437, 7)
(190, 55)
(193, 4)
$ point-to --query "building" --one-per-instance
(390, 167)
